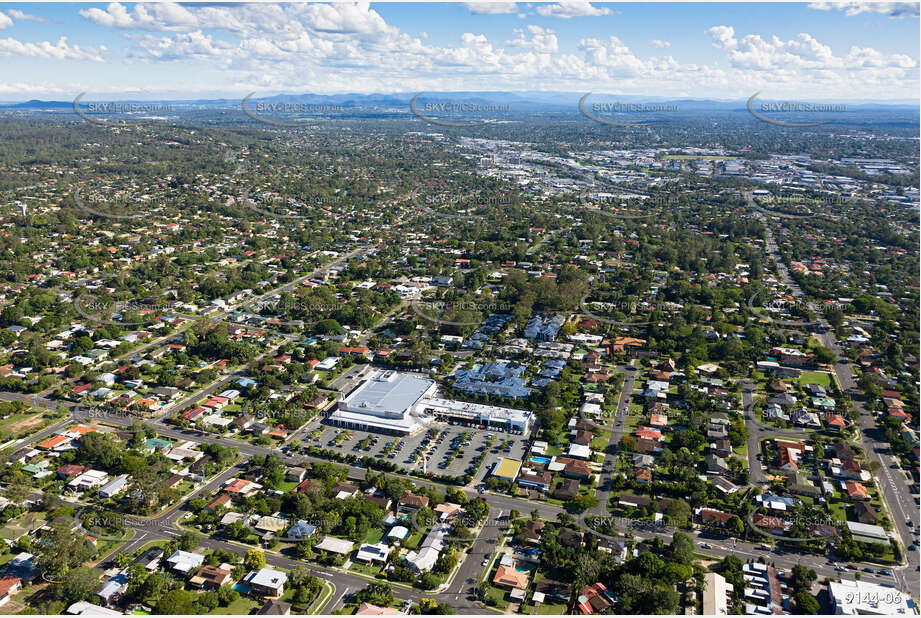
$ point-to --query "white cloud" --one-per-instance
(542, 40)
(27, 17)
(491, 8)
(753, 52)
(5, 21)
(165, 16)
(856, 7)
(571, 8)
(52, 51)
(341, 47)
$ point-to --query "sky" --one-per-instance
(821, 51)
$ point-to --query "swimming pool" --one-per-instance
(541, 460)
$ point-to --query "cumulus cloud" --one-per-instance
(27, 17)
(491, 8)
(807, 60)
(341, 47)
(5, 21)
(856, 7)
(571, 8)
(52, 51)
(541, 40)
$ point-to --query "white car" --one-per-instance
(485, 562)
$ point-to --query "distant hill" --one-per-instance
(530, 101)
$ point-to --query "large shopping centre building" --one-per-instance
(398, 403)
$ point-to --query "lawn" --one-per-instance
(374, 536)
(241, 607)
(838, 509)
(552, 609)
(412, 541)
(25, 423)
(815, 377)
(286, 486)
(631, 423)
(499, 595)
(372, 570)
(602, 435)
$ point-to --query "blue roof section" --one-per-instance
(501, 379)
(543, 327)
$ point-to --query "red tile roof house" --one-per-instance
(510, 577)
(81, 389)
(649, 433)
(713, 517)
(216, 402)
(835, 422)
(55, 443)
(70, 470)
(769, 522)
(898, 413)
(9, 586)
(856, 491)
(191, 415)
(594, 599)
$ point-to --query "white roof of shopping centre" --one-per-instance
(479, 410)
(387, 393)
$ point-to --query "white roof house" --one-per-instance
(373, 553)
(580, 451)
(89, 480)
(327, 364)
(81, 608)
(334, 545)
(184, 561)
(114, 486)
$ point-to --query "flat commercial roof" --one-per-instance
(387, 393)
(479, 410)
(408, 424)
(867, 531)
(507, 468)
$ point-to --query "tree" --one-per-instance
(79, 585)
(735, 525)
(227, 595)
(428, 581)
(806, 603)
(254, 560)
(681, 548)
(189, 540)
(376, 593)
(177, 602)
(430, 607)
